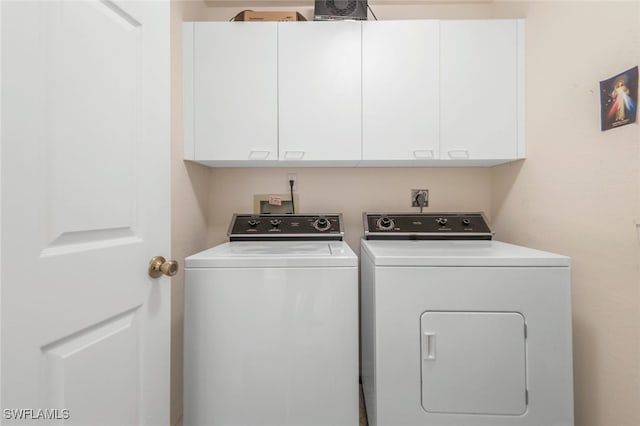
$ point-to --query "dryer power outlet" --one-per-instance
(419, 198)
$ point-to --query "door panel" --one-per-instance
(110, 350)
(473, 363)
(93, 117)
(85, 205)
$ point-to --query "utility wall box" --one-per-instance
(250, 15)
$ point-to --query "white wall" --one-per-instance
(578, 193)
(349, 191)
(189, 204)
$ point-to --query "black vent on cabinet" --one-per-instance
(329, 10)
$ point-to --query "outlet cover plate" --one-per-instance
(414, 197)
(294, 178)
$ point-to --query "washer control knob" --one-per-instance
(466, 222)
(322, 224)
(275, 222)
(386, 223)
(442, 221)
(252, 223)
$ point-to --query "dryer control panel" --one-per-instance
(426, 226)
(286, 227)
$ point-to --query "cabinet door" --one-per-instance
(479, 93)
(320, 92)
(235, 91)
(400, 88)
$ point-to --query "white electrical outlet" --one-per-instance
(292, 177)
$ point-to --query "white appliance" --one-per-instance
(271, 326)
(461, 330)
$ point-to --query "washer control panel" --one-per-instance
(426, 226)
(286, 227)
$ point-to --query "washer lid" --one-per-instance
(275, 254)
(457, 253)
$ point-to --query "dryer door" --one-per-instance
(473, 363)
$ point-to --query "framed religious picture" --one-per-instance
(619, 99)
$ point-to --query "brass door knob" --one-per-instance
(159, 265)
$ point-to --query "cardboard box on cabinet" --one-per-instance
(250, 15)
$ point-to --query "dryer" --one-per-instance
(271, 325)
(459, 329)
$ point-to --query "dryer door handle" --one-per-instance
(428, 346)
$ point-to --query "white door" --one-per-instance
(85, 205)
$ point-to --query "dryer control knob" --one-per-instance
(385, 223)
(466, 222)
(442, 221)
(253, 223)
(275, 222)
(322, 224)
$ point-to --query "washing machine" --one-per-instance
(459, 329)
(271, 325)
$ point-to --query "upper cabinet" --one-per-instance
(231, 92)
(481, 90)
(376, 93)
(319, 74)
(400, 91)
